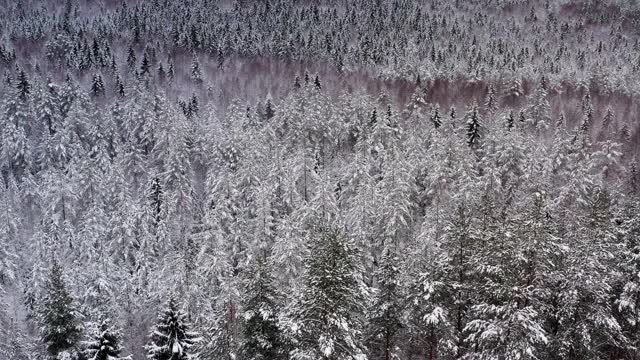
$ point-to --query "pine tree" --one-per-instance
(327, 316)
(385, 314)
(587, 116)
(119, 86)
(171, 338)
(269, 111)
(491, 101)
(506, 318)
(473, 126)
(196, 72)
(97, 86)
(316, 83)
(540, 109)
(628, 302)
(510, 120)
(23, 86)
(171, 73)
(105, 344)
(263, 338)
(436, 118)
(59, 329)
(161, 73)
(193, 108)
(606, 130)
(145, 65)
(430, 309)
(131, 58)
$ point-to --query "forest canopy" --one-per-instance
(334, 180)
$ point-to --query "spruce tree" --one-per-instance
(385, 314)
(23, 86)
(263, 338)
(491, 101)
(269, 111)
(316, 83)
(196, 72)
(171, 74)
(97, 86)
(171, 338)
(628, 301)
(105, 344)
(327, 316)
(59, 329)
(509, 120)
(145, 65)
(430, 311)
(131, 58)
(473, 126)
(162, 75)
(436, 118)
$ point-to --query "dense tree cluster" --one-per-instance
(483, 205)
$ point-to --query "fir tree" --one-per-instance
(105, 344)
(161, 73)
(510, 120)
(473, 126)
(145, 65)
(316, 83)
(131, 58)
(263, 338)
(385, 314)
(269, 111)
(171, 338)
(328, 314)
(296, 83)
(430, 310)
(196, 72)
(628, 302)
(491, 101)
(97, 86)
(59, 329)
(436, 118)
(23, 86)
(606, 130)
(171, 72)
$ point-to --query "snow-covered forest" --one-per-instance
(319, 179)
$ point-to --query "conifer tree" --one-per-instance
(606, 130)
(172, 338)
(59, 329)
(131, 58)
(162, 74)
(171, 74)
(327, 316)
(23, 86)
(436, 118)
(119, 86)
(269, 111)
(540, 109)
(196, 72)
(263, 338)
(491, 101)
(473, 126)
(385, 314)
(97, 86)
(105, 344)
(316, 83)
(510, 120)
(628, 302)
(145, 65)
